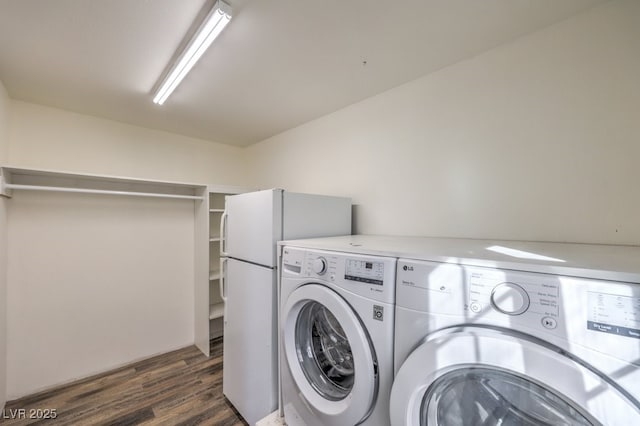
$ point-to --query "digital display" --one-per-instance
(364, 271)
(614, 314)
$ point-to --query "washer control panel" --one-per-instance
(369, 276)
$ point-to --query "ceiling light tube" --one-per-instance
(212, 26)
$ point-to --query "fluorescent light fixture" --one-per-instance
(522, 254)
(212, 26)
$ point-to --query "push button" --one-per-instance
(550, 323)
(475, 307)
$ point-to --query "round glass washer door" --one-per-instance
(329, 355)
(474, 375)
(478, 395)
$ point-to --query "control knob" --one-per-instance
(320, 265)
(510, 299)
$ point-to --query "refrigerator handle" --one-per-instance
(223, 275)
(223, 234)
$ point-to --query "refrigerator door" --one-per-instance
(254, 225)
(250, 374)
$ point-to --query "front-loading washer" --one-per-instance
(337, 322)
(488, 346)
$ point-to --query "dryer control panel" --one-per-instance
(368, 276)
(480, 294)
(590, 313)
(513, 293)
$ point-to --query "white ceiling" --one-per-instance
(278, 64)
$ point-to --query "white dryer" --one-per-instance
(487, 346)
(337, 322)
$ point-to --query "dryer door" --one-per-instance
(330, 355)
(473, 375)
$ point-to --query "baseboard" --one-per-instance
(98, 372)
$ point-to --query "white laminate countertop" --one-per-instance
(604, 262)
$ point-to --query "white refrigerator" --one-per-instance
(251, 226)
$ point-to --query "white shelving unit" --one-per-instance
(216, 311)
(209, 309)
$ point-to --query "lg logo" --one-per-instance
(407, 268)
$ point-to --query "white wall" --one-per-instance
(50, 138)
(4, 124)
(535, 140)
(95, 282)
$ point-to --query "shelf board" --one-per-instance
(216, 210)
(212, 239)
(216, 311)
(214, 275)
(13, 178)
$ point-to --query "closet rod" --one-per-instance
(100, 191)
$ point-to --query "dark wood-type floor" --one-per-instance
(179, 388)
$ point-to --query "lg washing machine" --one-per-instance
(489, 346)
(337, 324)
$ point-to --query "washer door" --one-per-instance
(473, 375)
(330, 355)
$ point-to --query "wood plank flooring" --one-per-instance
(179, 388)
